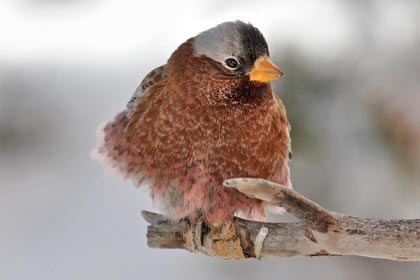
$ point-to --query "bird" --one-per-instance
(207, 115)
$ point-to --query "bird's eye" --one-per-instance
(231, 63)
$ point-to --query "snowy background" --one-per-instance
(352, 92)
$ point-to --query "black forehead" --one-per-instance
(253, 41)
(231, 38)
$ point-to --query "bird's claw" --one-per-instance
(200, 233)
(195, 237)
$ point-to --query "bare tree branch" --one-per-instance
(318, 231)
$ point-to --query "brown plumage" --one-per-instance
(201, 119)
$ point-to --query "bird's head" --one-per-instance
(226, 64)
(239, 49)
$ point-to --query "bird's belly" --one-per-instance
(186, 170)
(198, 188)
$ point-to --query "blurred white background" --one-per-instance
(352, 91)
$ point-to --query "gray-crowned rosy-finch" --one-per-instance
(207, 115)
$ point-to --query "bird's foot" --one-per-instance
(214, 240)
(196, 238)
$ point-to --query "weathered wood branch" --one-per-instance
(318, 231)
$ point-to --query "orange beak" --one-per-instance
(264, 70)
